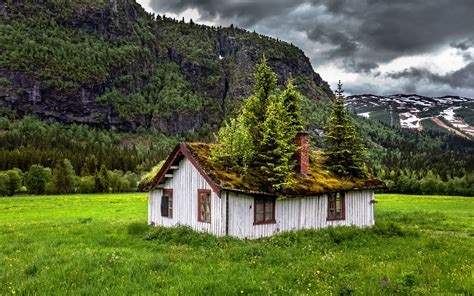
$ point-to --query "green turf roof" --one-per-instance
(317, 181)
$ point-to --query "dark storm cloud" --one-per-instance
(462, 78)
(463, 44)
(356, 35)
(367, 30)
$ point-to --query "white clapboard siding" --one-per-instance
(297, 213)
(185, 183)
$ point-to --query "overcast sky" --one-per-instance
(372, 46)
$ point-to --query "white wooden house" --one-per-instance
(189, 190)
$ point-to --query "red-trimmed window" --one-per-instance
(336, 206)
(264, 210)
(167, 203)
(204, 205)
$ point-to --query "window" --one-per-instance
(336, 206)
(264, 210)
(167, 203)
(204, 205)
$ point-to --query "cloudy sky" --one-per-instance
(372, 46)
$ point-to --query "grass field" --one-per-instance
(99, 244)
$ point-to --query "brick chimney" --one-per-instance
(302, 155)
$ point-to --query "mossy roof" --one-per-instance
(317, 181)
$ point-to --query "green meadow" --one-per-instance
(100, 245)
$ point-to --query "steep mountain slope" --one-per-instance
(109, 63)
(451, 113)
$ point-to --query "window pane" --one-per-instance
(268, 216)
(202, 207)
(164, 206)
(259, 217)
(208, 207)
(259, 207)
(205, 206)
(331, 206)
(268, 206)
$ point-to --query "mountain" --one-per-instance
(450, 113)
(109, 63)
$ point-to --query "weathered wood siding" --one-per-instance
(185, 183)
(297, 213)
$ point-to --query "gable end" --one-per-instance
(179, 152)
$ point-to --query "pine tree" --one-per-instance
(291, 99)
(274, 161)
(345, 153)
(255, 108)
(63, 177)
(102, 180)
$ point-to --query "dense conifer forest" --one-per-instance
(409, 161)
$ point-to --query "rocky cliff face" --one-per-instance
(111, 64)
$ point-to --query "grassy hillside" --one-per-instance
(110, 63)
(99, 244)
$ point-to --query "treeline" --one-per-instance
(28, 141)
(62, 179)
(396, 148)
(418, 182)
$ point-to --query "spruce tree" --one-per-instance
(291, 99)
(63, 177)
(255, 108)
(102, 180)
(275, 162)
(345, 153)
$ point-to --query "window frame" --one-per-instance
(209, 192)
(166, 193)
(266, 201)
(342, 198)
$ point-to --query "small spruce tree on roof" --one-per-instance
(275, 162)
(345, 153)
(291, 100)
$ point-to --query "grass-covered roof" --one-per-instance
(317, 181)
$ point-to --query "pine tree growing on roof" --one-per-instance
(291, 100)
(345, 153)
(275, 159)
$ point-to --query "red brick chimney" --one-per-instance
(302, 155)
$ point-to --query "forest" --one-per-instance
(428, 162)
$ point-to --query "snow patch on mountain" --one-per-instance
(411, 109)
